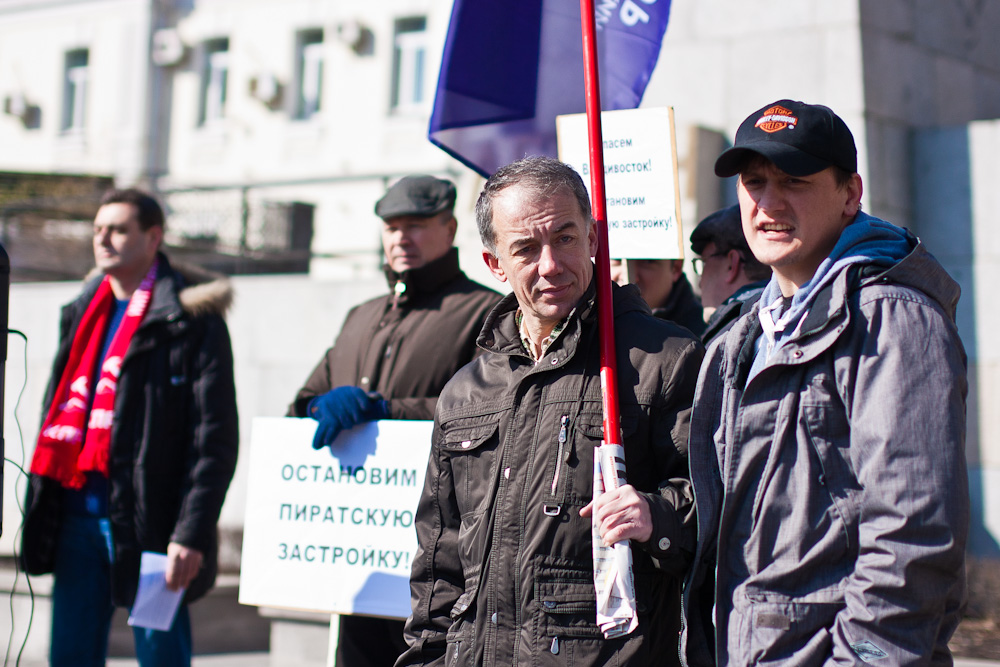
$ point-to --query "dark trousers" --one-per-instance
(369, 642)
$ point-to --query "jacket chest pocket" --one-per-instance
(590, 426)
(471, 447)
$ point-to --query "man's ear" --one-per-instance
(676, 269)
(494, 265)
(452, 228)
(592, 238)
(155, 236)
(734, 263)
(854, 189)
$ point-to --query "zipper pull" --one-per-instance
(555, 646)
(398, 290)
(564, 423)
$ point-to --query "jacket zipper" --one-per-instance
(554, 509)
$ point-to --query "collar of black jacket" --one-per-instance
(681, 292)
(500, 333)
(427, 279)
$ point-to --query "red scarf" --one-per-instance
(59, 454)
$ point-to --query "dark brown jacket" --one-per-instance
(503, 570)
(406, 346)
(174, 439)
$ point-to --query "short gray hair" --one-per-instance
(542, 176)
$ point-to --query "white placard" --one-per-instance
(640, 174)
(333, 530)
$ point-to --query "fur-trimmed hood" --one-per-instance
(203, 292)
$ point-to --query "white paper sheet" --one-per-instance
(155, 605)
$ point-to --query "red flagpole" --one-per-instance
(605, 310)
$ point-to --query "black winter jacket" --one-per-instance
(174, 437)
(503, 571)
(683, 307)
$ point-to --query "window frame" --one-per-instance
(410, 92)
(76, 85)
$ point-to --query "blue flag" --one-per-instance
(509, 68)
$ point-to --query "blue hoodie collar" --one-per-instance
(867, 240)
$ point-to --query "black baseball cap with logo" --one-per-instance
(799, 138)
(416, 195)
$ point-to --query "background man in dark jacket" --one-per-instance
(139, 441)
(395, 353)
(665, 288)
(503, 572)
(728, 273)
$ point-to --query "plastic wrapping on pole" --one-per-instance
(613, 580)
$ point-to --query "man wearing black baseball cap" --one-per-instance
(828, 431)
(395, 353)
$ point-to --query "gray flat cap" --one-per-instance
(416, 195)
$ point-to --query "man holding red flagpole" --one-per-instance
(139, 440)
(503, 572)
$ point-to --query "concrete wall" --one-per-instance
(957, 214)
(925, 63)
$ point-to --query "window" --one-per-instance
(409, 66)
(214, 81)
(75, 90)
(309, 72)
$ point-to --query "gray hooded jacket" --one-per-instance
(831, 487)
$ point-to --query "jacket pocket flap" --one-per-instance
(565, 590)
(592, 424)
(466, 438)
(462, 603)
(566, 601)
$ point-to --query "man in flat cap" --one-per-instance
(728, 273)
(827, 443)
(395, 353)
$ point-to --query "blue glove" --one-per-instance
(343, 408)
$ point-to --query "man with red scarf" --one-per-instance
(139, 439)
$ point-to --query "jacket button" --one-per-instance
(364, 380)
(555, 360)
(493, 618)
(664, 543)
(797, 354)
(506, 473)
(466, 444)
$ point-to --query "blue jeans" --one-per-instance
(82, 607)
